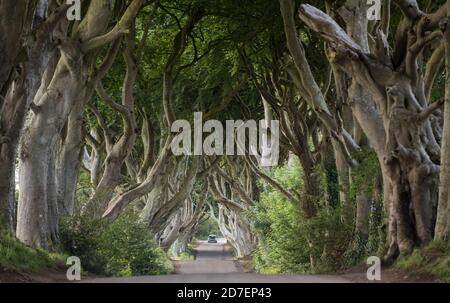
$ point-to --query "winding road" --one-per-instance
(214, 264)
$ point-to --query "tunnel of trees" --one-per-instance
(86, 109)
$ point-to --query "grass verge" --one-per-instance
(434, 260)
(15, 256)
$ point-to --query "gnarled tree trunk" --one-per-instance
(51, 110)
(443, 215)
(408, 153)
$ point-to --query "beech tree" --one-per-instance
(63, 86)
(406, 146)
(443, 215)
(23, 66)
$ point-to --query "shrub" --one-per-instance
(121, 248)
(80, 236)
(129, 249)
(287, 242)
(364, 180)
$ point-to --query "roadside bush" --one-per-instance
(80, 236)
(287, 242)
(123, 247)
(129, 249)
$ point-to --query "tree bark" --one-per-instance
(354, 15)
(69, 160)
(443, 215)
(51, 110)
(13, 15)
(408, 150)
(19, 81)
(38, 144)
(10, 132)
(118, 152)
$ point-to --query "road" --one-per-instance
(214, 264)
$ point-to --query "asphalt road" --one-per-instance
(214, 264)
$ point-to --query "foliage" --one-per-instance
(80, 236)
(130, 249)
(366, 174)
(365, 178)
(185, 256)
(207, 227)
(434, 260)
(122, 248)
(188, 254)
(287, 242)
(16, 256)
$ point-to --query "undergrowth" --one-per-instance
(433, 259)
(16, 256)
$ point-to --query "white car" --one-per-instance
(212, 239)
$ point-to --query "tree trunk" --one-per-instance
(69, 160)
(13, 15)
(443, 215)
(363, 203)
(19, 82)
(38, 144)
(354, 15)
(171, 233)
(12, 116)
(408, 150)
(51, 109)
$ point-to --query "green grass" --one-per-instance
(184, 256)
(187, 255)
(434, 260)
(16, 256)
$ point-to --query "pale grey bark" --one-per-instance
(186, 184)
(307, 84)
(118, 152)
(236, 231)
(443, 215)
(95, 157)
(69, 160)
(51, 109)
(233, 195)
(118, 203)
(20, 79)
(408, 150)
(353, 13)
(13, 14)
(38, 144)
(9, 140)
